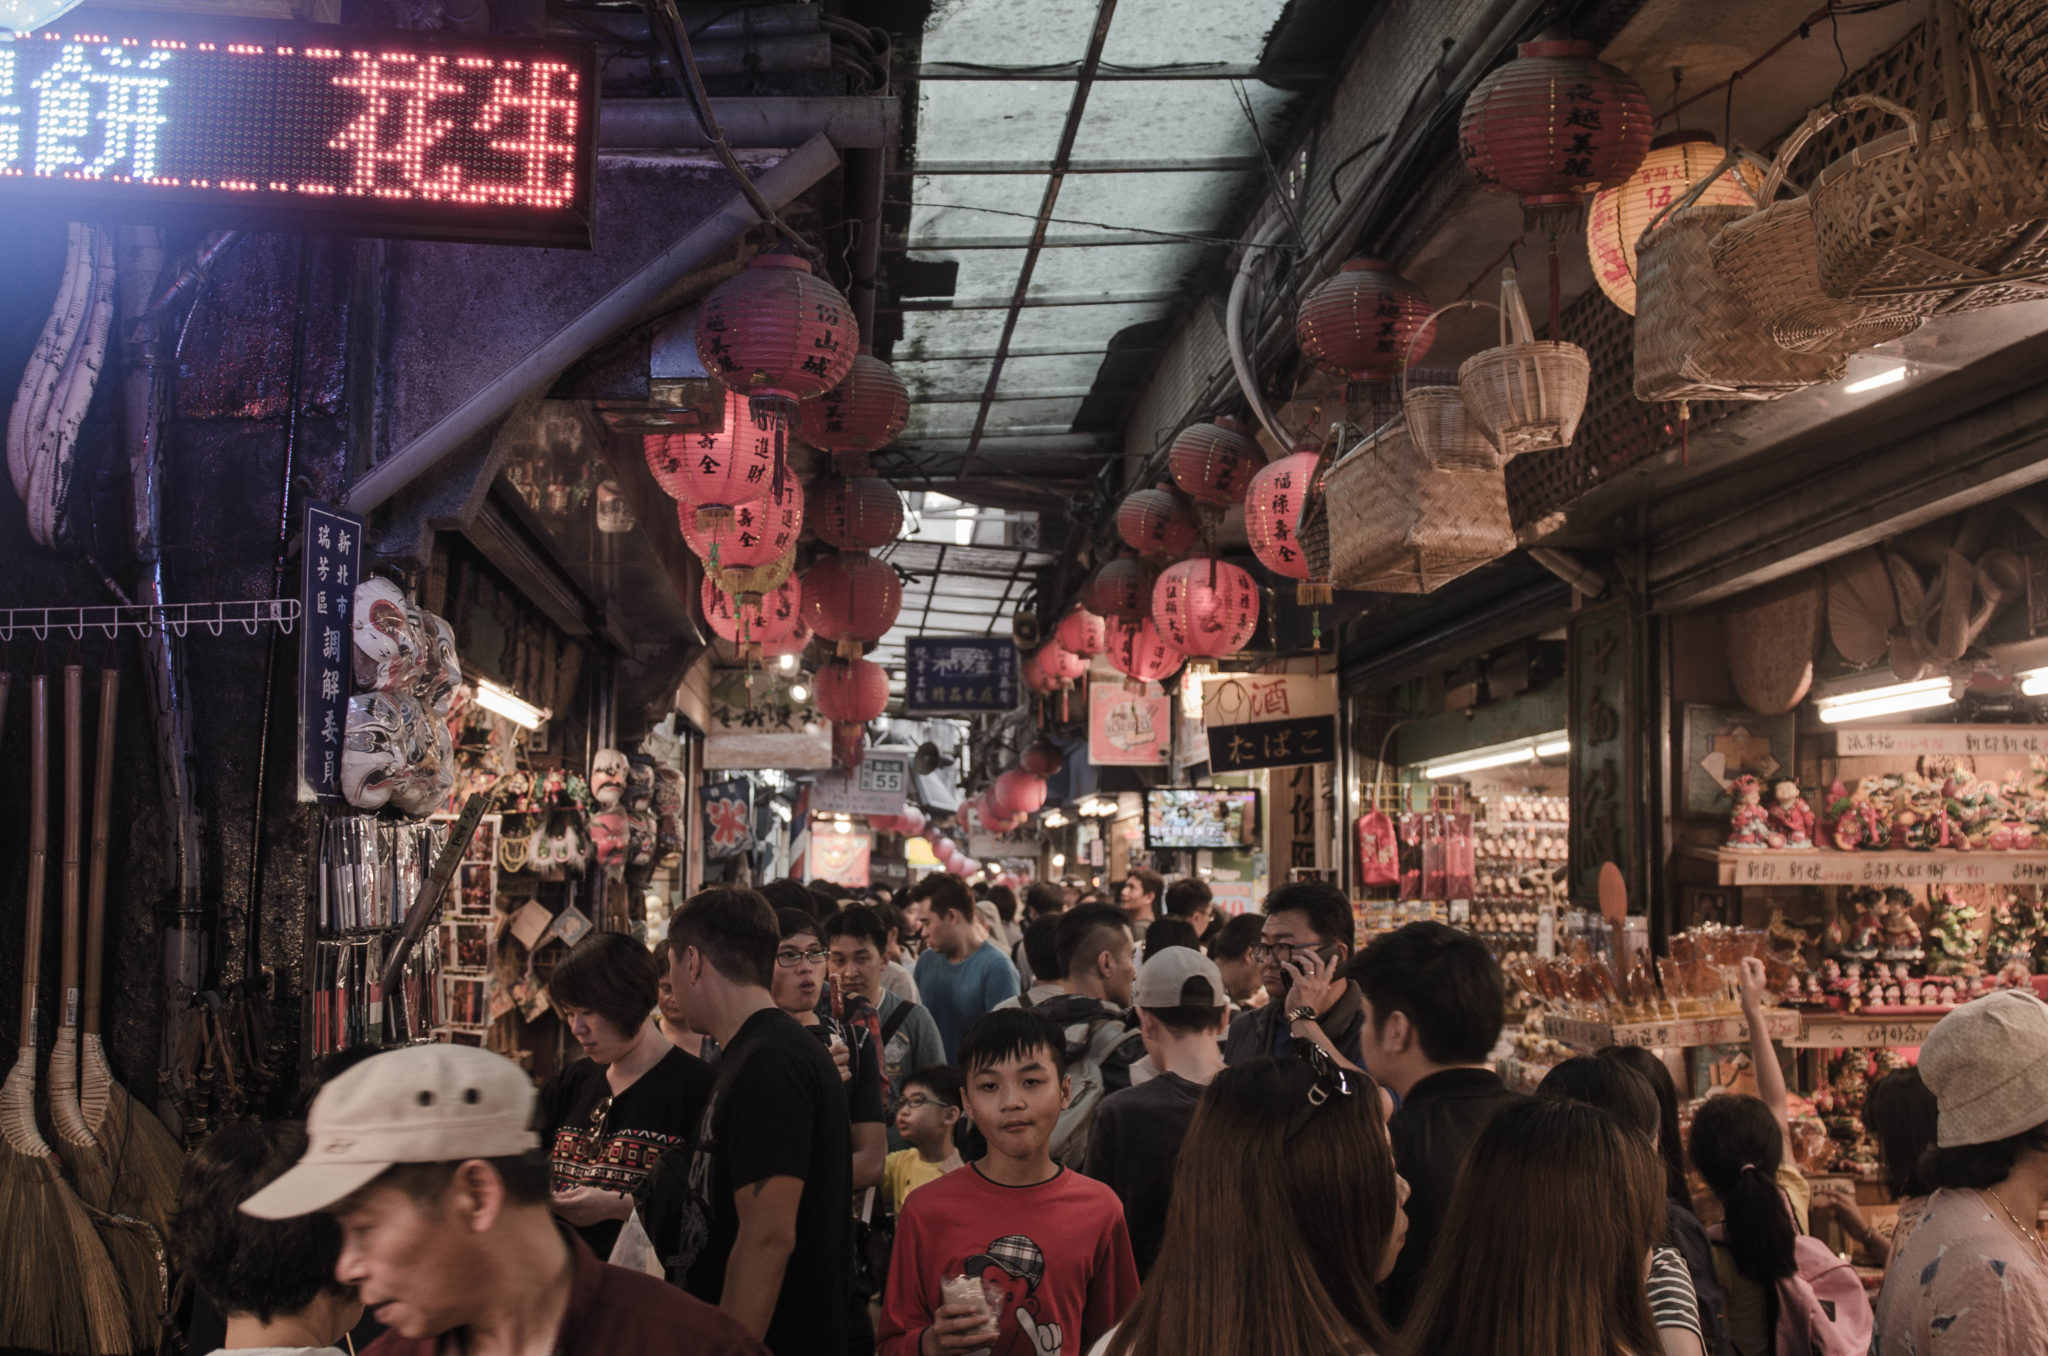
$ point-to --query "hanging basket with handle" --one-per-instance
(2013, 36)
(1696, 337)
(1399, 522)
(1953, 209)
(1769, 257)
(1438, 420)
(1312, 528)
(1525, 395)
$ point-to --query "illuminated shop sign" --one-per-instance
(302, 127)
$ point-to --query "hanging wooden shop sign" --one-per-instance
(301, 127)
(1259, 720)
(950, 675)
(1606, 760)
(330, 568)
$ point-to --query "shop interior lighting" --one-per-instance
(1055, 820)
(2033, 683)
(501, 702)
(1099, 809)
(842, 827)
(1059, 859)
(1885, 701)
(1891, 376)
(1500, 755)
(799, 693)
(781, 811)
(787, 663)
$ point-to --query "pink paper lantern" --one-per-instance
(1061, 664)
(1082, 632)
(1139, 652)
(750, 534)
(1213, 463)
(911, 820)
(1272, 508)
(1206, 608)
(1158, 523)
(714, 472)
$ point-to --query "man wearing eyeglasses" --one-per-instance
(1305, 941)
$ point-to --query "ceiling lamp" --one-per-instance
(852, 599)
(715, 471)
(1139, 652)
(862, 414)
(857, 513)
(1043, 758)
(1213, 463)
(752, 621)
(1360, 324)
(1676, 162)
(851, 690)
(502, 701)
(1121, 590)
(1891, 700)
(1552, 125)
(1159, 523)
(1206, 608)
(1082, 632)
(777, 334)
(1272, 509)
(753, 533)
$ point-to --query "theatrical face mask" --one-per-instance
(608, 777)
(389, 647)
(372, 752)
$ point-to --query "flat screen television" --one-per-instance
(1181, 818)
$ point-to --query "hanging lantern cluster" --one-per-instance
(862, 414)
(1159, 524)
(1206, 608)
(1213, 464)
(1618, 217)
(1552, 125)
(1360, 323)
(851, 599)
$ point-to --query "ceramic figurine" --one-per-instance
(1948, 995)
(1910, 992)
(1901, 934)
(1749, 827)
(1792, 819)
(1865, 936)
(1952, 935)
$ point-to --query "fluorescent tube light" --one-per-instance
(1891, 376)
(1500, 755)
(2033, 683)
(501, 702)
(1885, 701)
(1555, 748)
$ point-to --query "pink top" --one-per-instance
(1962, 1283)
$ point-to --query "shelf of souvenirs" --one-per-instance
(1833, 866)
(1527, 812)
(1725, 1029)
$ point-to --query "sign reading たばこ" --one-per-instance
(302, 126)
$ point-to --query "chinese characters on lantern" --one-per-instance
(331, 555)
(954, 673)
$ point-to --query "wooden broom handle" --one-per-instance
(96, 889)
(38, 850)
(74, 806)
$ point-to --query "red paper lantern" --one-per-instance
(1158, 523)
(1061, 664)
(747, 623)
(1138, 651)
(1360, 323)
(1208, 608)
(851, 690)
(795, 642)
(750, 534)
(849, 745)
(857, 513)
(1017, 793)
(1035, 677)
(1213, 463)
(1272, 508)
(945, 849)
(1082, 632)
(1043, 758)
(716, 471)
(910, 821)
(851, 598)
(861, 414)
(1120, 591)
(1553, 124)
(776, 334)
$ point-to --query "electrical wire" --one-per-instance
(1834, 10)
(1229, 241)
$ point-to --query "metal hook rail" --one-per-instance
(112, 619)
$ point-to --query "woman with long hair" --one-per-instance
(1739, 1147)
(1286, 1214)
(1546, 1246)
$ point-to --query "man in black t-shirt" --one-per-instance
(763, 1197)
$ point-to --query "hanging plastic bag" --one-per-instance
(634, 1250)
(1379, 851)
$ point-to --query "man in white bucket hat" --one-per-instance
(428, 1159)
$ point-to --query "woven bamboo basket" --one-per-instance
(1953, 210)
(1437, 418)
(2013, 36)
(1525, 395)
(1696, 337)
(1401, 523)
(1769, 257)
(1312, 528)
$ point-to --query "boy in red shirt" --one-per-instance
(1051, 1241)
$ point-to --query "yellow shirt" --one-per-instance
(1747, 1304)
(904, 1172)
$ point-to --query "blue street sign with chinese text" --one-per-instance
(331, 556)
(948, 675)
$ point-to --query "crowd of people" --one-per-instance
(950, 1124)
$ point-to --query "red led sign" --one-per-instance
(304, 127)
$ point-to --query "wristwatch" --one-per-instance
(1300, 1014)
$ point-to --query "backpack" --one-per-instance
(1090, 1046)
(1822, 1308)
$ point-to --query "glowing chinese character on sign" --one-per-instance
(120, 90)
(544, 136)
(391, 136)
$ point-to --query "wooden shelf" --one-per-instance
(1828, 1031)
(1782, 1023)
(1826, 866)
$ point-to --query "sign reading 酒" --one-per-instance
(303, 126)
(950, 674)
(1259, 720)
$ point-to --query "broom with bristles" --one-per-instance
(58, 1291)
(146, 1161)
(133, 1246)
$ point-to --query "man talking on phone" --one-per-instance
(1301, 951)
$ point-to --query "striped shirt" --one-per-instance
(1672, 1301)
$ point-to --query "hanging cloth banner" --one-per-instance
(330, 567)
(728, 818)
(1259, 720)
(1126, 728)
(949, 675)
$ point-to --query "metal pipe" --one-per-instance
(598, 323)
(732, 56)
(867, 257)
(852, 122)
(1233, 328)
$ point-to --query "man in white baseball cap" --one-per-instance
(427, 1158)
(1972, 1274)
(1135, 1141)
